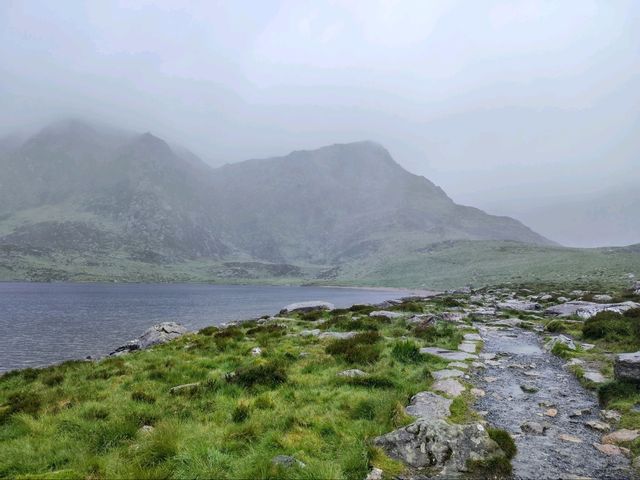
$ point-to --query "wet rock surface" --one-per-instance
(564, 445)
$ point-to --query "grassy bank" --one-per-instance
(124, 417)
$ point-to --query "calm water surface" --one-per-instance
(44, 323)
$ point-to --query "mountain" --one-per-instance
(77, 197)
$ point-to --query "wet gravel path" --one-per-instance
(521, 361)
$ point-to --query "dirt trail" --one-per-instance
(521, 361)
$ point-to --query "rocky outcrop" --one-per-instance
(588, 309)
(385, 314)
(519, 305)
(304, 307)
(156, 335)
(432, 446)
(562, 339)
(627, 366)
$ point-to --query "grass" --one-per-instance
(86, 419)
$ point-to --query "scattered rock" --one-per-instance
(304, 307)
(287, 461)
(478, 365)
(610, 415)
(587, 346)
(375, 474)
(603, 298)
(569, 438)
(449, 387)
(528, 388)
(563, 339)
(428, 405)
(337, 335)
(579, 412)
(534, 428)
(595, 377)
(574, 361)
(446, 373)
(310, 333)
(519, 305)
(439, 446)
(186, 386)
(488, 356)
(490, 379)
(386, 314)
(627, 366)
(477, 392)
(156, 335)
(597, 425)
(256, 351)
(551, 412)
(545, 298)
(146, 429)
(612, 450)
(351, 373)
(621, 436)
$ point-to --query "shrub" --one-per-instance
(610, 326)
(53, 379)
(406, 352)
(617, 389)
(563, 351)
(312, 316)
(370, 381)
(208, 331)
(240, 413)
(269, 375)
(361, 348)
(272, 329)
(504, 441)
(556, 326)
(494, 467)
(140, 396)
(408, 307)
(23, 402)
(346, 324)
(229, 333)
(438, 332)
(363, 309)
(364, 410)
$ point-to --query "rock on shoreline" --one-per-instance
(156, 335)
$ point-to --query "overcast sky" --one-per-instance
(505, 104)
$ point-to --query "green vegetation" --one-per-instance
(204, 407)
(504, 441)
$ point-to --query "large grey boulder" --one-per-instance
(563, 339)
(435, 447)
(627, 366)
(588, 309)
(386, 314)
(304, 307)
(429, 405)
(156, 335)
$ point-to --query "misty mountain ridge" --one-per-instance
(85, 190)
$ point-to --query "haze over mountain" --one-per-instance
(85, 189)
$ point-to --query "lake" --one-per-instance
(45, 323)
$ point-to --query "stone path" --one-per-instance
(528, 389)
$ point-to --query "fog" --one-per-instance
(510, 106)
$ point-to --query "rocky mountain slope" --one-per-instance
(89, 191)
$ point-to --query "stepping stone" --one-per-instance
(580, 412)
(460, 365)
(447, 354)
(595, 377)
(477, 392)
(488, 356)
(569, 438)
(620, 436)
(428, 405)
(446, 373)
(468, 347)
(612, 450)
(449, 387)
(490, 379)
(610, 415)
(474, 337)
(551, 412)
(533, 427)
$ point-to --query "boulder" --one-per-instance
(434, 446)
(627, 366)
(612, 450)
(469, 347)
(472, 337)
(161, 333)
(338, 335)
(593, 376)
(304, 307)
(534, 428)
(587, 310)
(598, 425)
(375, 474)
(386, 314)
(603, 298)
(310, 333)
(428, 405)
